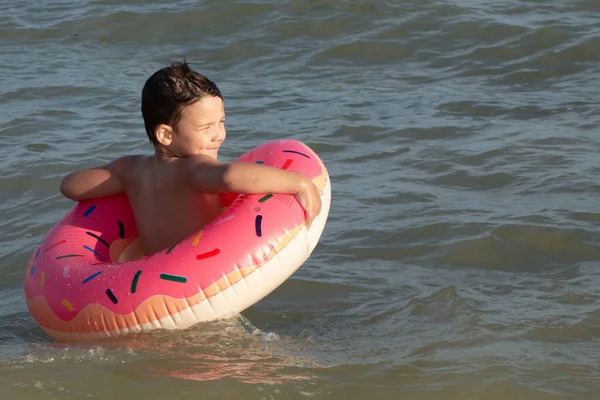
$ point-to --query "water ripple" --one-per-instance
(460, 257)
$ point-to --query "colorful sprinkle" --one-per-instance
(67, 304)
(121, 230)
(89, 210)
(208, 254)
(296, 152)
(95, 252)
(265, 198)
(31, 270)
(287, 164)
(197, 239)
(89, 278)
(173, 278)
(134, 283)
(258, 225)
(171, 248)
(111, 296)
(104, 242)
(259, 162)
(37, 253)
(43, 279)
(69, 256)
(56, 244)
(66, 271)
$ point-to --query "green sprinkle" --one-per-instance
(135, 281)
(174, 278)
(265, 198)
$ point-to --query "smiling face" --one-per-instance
(183, 112)
(200, 130)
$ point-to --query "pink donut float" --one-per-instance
(86, 280)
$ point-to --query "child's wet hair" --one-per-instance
(168, 91)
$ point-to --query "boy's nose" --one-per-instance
(219, 135)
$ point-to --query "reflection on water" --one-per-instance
(230, 348)
(227, 349)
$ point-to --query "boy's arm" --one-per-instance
(211, 176)
(96, 182)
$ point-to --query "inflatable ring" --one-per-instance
(86, 280)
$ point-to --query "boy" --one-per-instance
(174, 192)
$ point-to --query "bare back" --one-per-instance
(166, 210)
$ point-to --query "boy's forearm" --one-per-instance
(250, 178)
(256, 179)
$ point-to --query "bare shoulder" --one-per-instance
(125, 166)
(200, 159)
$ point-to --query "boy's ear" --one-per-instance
(164, 134)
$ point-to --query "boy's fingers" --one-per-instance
(309, 220)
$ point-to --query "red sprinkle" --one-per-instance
(208, 254)
(287, 164)
(56, 244)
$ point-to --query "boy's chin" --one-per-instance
(211, 152)
(207, 152)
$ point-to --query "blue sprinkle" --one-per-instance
(111, 296)
(89, 278)
(89, 210)
(259, 162)
(171, 248)
(258, 225)
(37, 253)
(32, 270)
(95, 252)
(121, 230)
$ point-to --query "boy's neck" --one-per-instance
(163, 154)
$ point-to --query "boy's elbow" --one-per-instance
(67, 190)
(64, 190)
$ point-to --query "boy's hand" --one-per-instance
(310, 200)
